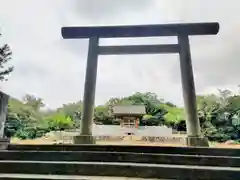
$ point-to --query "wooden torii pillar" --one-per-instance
(182, 31)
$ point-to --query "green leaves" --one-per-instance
(58, 121)
(5, 56)
(34, 102)
(219, 115)
(174, 115)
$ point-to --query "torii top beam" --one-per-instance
(140, 30)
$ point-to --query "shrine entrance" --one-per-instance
(129, 116)
(182, 31)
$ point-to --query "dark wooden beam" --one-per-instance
(138, 49)
(140, 30)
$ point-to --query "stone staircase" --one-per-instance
(90, 162)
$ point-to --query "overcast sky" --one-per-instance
(52, 68)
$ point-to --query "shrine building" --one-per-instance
(129, 115)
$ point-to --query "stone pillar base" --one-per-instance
(4, 142)
(84, 139)
(197, 141)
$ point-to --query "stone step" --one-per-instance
(94, 156)
(160, 171)
(61, 177)
(127, 148)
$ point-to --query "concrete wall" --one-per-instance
(116, 130)
(3, 111)
(117, 133)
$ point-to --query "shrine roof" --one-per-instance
(129, 110)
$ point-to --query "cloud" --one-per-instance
(215, 58)
(54, 69)
(96, 11)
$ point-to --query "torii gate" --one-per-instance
(182, 31)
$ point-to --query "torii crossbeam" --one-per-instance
(182, 31)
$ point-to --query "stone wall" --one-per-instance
(3, 112)
(117, 134)
(67, 138)
(116, 130)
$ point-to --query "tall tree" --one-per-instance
(5, 56)
(34, 102)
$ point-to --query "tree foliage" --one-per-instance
(5, 56)
(219, 115)
(34, 102)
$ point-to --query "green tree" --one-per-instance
(73, 110)
(219, 115)
(5, 56)
(20, 119)
(103, 116)
(150, 100)
(58, 121)
(174, 115)
(34, 102)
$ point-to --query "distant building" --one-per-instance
(129, 115)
